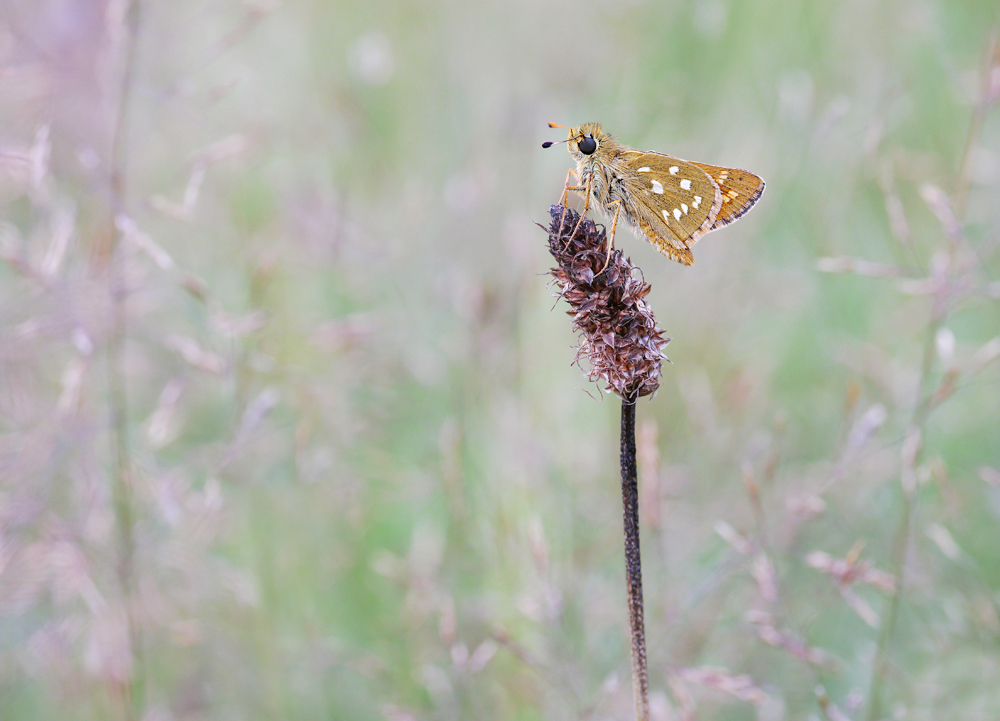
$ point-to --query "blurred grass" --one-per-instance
(366, 482)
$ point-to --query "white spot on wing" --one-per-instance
(677, 213)
(697, 201)
(686, 184)
(673, 169)
(657, 187)
(684, 207)
(644, 169)
(666, 217)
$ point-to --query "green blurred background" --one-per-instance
(288, 425)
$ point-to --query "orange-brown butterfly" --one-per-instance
(672, 202)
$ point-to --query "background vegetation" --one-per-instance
(287, 423)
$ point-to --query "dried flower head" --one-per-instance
(620, 338)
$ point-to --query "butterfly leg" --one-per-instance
(567, 187)
(565, 197)
(586, 199)
(611, 236)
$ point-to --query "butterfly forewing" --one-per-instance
(686, 201)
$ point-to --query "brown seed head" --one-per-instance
(619, 335)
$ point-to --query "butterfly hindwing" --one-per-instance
(739, 189)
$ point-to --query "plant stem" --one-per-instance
(122, 480)
(925, 394)
(633, 564)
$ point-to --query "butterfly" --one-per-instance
(669, 201)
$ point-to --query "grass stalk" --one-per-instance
(633, 563)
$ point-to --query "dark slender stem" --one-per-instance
(633, 564)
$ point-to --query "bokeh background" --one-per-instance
(288, 425)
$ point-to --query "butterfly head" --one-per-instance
(584, 141)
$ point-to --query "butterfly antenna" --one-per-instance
(549, 143)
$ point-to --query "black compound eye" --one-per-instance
(588, 145)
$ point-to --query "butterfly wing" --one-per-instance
(740, 190)
(674, 202)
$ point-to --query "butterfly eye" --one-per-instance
(588, 145)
